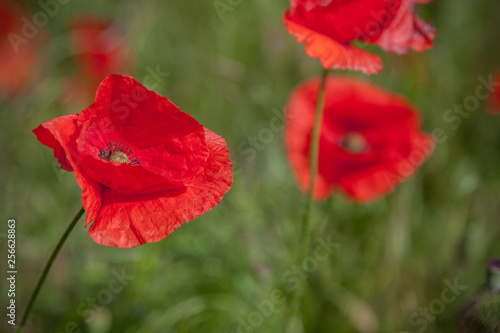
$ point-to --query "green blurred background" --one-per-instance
(233, 72)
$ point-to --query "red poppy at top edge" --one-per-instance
(100, 49)
(19, 55)
(99, 46)
(145, 166)
(370, 139)
(329, 27)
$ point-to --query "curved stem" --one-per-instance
(47, 268)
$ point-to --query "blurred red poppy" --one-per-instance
(100, 49)
(370, 139)
(18, 54)
(99, 46)
(145, 166)
(329, 27)
(494, 100)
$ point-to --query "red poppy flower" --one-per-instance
(99, 47)
(329, 27)
(370, 139)
(145, 166)
(18, 55)
(494, 100)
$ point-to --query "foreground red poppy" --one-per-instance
(329, 27)
(370, 139)
(145, 166)
(18, 55)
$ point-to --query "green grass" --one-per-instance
(394, 255)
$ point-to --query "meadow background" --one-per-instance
(233, 72)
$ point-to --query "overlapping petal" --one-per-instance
(60, 134)
(407, 32)
(332, 54)
(127, 220)
(330, 28)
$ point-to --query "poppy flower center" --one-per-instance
(354, 143)
(117, 152)
(119, 157)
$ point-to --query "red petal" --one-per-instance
(131, 220)
(60, 134)
(332, 54)
(343, 21)
(55, 132)
(382, 180)
(126, 178)
(298, 129)
(407, 31)
(169, 143)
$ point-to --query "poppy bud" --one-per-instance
(493, 278)
(481, 313)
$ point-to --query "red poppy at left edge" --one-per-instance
(144, 165)
(331, 28)
(19, 55)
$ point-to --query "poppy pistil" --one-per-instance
(119, 157)
(354, 143)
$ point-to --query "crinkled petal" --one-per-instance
(127, 220)
(344, 21)
(126, 178)
(53, 134)
(331, 53)
(407, 32)
(166, 140)
(60, 135)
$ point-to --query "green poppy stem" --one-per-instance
(47, 268)
(306, 222)
(314, 156)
